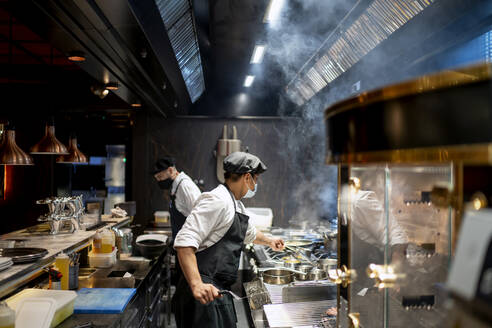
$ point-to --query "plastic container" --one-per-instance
(35, 312)
(62, 262)
(260, 217)
(162, 217)
(102, 260)
(103, 242)
(7, 316)
(65, 300)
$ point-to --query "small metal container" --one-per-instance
(292, 263)
(305, 268)
(278, 276)
(327, 264)
(317, 274)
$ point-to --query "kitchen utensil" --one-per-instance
(299, 253)
(124, 240)
(278, 276)
(5, 263)
(23, 254)
(305, 269)
(7, 243)
(258, 294)
(327, 264)
(235, 296)
(330, 241)
(298, 243)
(317, 274)
(73, 276)
(150, 248)
(103, 300)
(280, 268)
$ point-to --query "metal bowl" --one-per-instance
(316, 274)
(278, 276)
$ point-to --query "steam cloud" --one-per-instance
(303, 28)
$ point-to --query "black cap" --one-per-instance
(240, 162)
(163, 163)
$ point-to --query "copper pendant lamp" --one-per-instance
(49, 145)
(10, 153)
(75, 156)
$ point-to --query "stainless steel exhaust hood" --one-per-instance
(177, 16)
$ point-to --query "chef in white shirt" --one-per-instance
(210, 242)
(183, 191)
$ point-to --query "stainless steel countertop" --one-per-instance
(18, 274)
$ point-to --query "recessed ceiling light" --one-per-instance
(76, 56)
(273, 11)
(258, 53)
(249, 80)
(136, 105)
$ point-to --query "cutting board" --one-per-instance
(103, 300)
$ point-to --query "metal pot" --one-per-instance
(316, 274)
(305, 269)
(327, 264)
(278, 276)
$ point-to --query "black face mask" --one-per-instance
(165, 184)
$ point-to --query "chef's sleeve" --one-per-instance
(201, 222)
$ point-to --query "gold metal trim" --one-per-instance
(477, 154)
(424, 84)
(339, 242)
(458, 210)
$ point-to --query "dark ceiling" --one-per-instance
(115, 33)
(228, 32)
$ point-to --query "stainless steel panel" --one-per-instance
(297, 314)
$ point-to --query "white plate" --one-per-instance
(35, 312)
(5, 260)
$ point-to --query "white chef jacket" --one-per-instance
(186, 195)
(210, 220)
(368, 221)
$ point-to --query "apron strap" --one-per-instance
(232, 197)
(177, 187)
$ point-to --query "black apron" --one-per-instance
(177, 219)
(218, 265)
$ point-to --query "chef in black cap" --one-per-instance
(209, 246)
(183, 191)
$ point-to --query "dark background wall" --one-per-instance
(192, 142)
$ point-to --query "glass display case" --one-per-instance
(399, 242)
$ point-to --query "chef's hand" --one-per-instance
(205, 293)
(277, 244)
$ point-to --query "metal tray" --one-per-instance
(23, 254)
